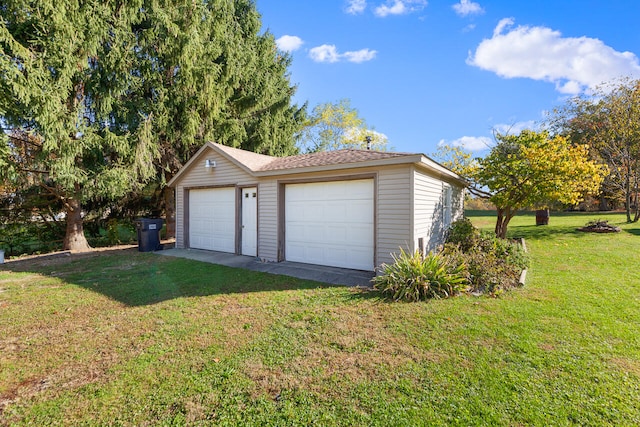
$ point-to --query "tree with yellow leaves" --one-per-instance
(533, 169)
(336, 126)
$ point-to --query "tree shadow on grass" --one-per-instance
(634, 231)
(138, 279)
(543, 232)
(562, 224)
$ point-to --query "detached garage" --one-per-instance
(345, 208)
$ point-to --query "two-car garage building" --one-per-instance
(345, 208)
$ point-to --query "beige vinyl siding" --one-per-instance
(268, 220)
(428, 207)
(394, 214)
(224, 174)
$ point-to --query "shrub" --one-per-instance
(416, 277)
(486, 271)
(493, 265)
(512, 252)
(463, 233)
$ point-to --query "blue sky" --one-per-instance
(428, 72)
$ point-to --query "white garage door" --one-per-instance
(330, 223)
(212, 220)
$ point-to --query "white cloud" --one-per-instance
(468, 28)
(361, 55)
(466, 7)
(289, 43)
(470, 143)
(329, 53)
(399, 7)
(355, 7)
(481, 143)
(504, 23)
(324, 53)
(573, 64)
(516, 128)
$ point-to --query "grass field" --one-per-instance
(126, 338)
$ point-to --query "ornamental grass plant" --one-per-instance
(414, 277)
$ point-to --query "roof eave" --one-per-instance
(442, 171)
(418, 159)
(341, 166)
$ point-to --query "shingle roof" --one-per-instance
(327, 158)
(253, 161)
(261, 165)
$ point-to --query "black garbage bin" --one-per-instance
(149, 234)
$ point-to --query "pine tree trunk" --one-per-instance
(170, 212)
(74, 239)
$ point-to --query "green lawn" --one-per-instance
(124, 338)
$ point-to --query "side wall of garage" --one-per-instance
(435, 205)
(394, 212)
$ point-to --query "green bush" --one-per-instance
(486, 271)
(113, 232)
(493, 265)
(416, 277)
(463, 233)
(512, 252)
(30, 238)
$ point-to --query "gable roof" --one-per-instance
(252, 161)
(327, 158)
(262, 165)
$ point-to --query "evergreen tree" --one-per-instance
(209, 75)
(66, 72)
(105, 92)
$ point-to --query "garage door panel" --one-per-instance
(330, 223)
(212, 219)
(360, 234)
(336, 212)
(336, 234)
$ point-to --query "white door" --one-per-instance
(250, 221)
(212, 222)
(330, 223)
